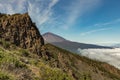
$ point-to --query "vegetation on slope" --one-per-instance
(55, 64)
(20, 64)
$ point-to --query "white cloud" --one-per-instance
(41, 14)
(111, 56)
(103, 27)
(12, 6)
(94, 31)
(39, 10)
(106, 24)
(79, 8)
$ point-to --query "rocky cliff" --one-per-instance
(21, 31)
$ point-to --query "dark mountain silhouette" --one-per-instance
(116, 45)
(24, 56)
(66, 44)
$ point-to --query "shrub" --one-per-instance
(54, 74)
(5, 44)
(24, 53)
(1, 55)
(5, 77)
(19, 64)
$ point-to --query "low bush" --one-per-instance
(19, 64)
(24, 52)
(4, 76)
(5, 44)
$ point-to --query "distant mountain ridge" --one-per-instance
(66, 44)
(116, 45)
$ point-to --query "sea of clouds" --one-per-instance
(110, 56)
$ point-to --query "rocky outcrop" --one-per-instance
(21, 31)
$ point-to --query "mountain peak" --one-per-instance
(52, 37)
(48, 33)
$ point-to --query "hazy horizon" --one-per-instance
(102, 44)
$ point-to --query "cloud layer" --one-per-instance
(101, 27)
(39, 10)
(94, 31)
(111, 56)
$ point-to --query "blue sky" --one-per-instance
(87, 21)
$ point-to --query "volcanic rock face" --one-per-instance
(19, 30)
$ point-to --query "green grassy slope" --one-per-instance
(20, 64)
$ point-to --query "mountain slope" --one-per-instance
(81, 68)
(20, 64)
(50, 37)
(44, 62)
(66, 44)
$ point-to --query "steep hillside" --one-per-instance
(66, 44)
(19, 62)
(21, 31)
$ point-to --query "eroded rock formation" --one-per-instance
(21, 31)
